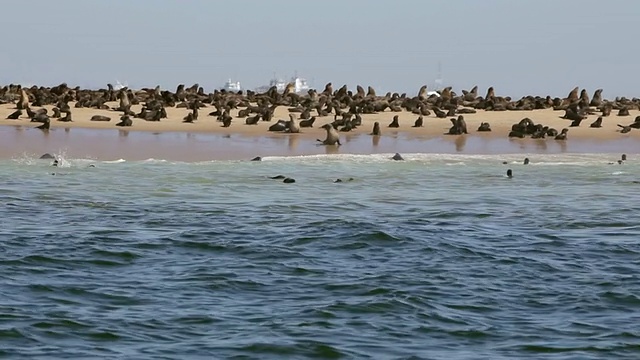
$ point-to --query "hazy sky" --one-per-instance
(520, 47)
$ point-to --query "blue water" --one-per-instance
(436, 257)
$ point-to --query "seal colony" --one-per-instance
(327, 116)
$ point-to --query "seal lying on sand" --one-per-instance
(308, 122)
(280, 125)
(100, 118)
(332, 138)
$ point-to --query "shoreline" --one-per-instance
(114, 144)
(156, 129)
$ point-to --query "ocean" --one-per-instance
(440, 256)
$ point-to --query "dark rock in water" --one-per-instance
(47, 156)
(257, 158)
(397, 157)
(288, 180)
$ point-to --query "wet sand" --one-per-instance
(112, 144)
(206, 139)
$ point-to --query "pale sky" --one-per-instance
(520, 47)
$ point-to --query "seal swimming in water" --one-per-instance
(526, 161)
(345, 180)
(257, 158)
(397, 157)
(277, 177)
(509, 173)
(288, 180)
(47, 156)
(332, 138)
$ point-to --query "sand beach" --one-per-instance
(206, 138)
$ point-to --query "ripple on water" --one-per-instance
(413, 260)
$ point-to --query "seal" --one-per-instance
(419, 121)
(624, 129)
(624, 157)
(308, 122)
(332, 138)
(100, 118)
(125, 120)
(277, 177)
(288, 180)
(376, 129)
(23, 103)
(344, 180)
(257, 158)
(526, 161)
(624, 111)
(575, 123)
(394, 122)
(509, 173)
(280, 125)
(293, 126)
(45, 125)
(252, 120)
(562, 135)
(597, 123)
(397, 157)
(15, 115)
(484, 127)
(47, 156)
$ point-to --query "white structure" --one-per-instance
(300, 85)
(232, 86)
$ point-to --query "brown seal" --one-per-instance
(484, 127)
(394, 122)
(125, 120)
(419, 121)
(562, 135)
(332, 138)
(14, 115)
(376, 128)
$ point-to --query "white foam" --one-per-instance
(114, 161)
